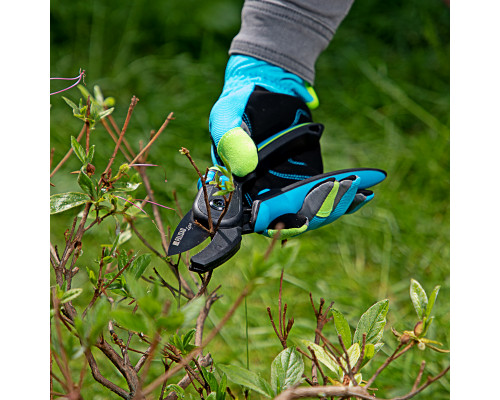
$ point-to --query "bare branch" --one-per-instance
(101, 379)
(325, 391)
(133, 103)
(162, 128)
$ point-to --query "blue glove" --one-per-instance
(229, 123)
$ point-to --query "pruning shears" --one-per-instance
(212, 215)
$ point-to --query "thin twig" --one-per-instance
(316, 362)
(133, 103)
(357, 367)
(204, 187)
(117, 130)
(389, 359)
(348, 361)
(419, 376)
(162, 128)
(87, 126)
(115, 139)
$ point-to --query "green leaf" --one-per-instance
(171, 322)
(175, 388)
(419, 298)
(109, 101)
(127, 319)
(124, 236)
(176, 341)
(353, 353)
(210, 378)
(221, 390)
(191, 311)
(64, 201)
(85, 93)
(70, 295)
(124, 187)
(427, 324)
(97, 318)
(212, 396)
(246, 378)
(78, 149)
(324, 358)
(186, 338)
(369, 352)
(98, 94)
(105, 113)
(122, 259)
(151, 307)
(139, 265)
(372, 323)
(90, 155)
(432, 300)
(92, 276)
(70, 103)
(342, 327)
(86, 184)
(286, 370)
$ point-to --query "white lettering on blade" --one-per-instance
(180, 235)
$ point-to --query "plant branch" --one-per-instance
(204, 187)
(96, 373)
(162, 128)
(147, 390)
(133, 103)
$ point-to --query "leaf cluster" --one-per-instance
(98, 109)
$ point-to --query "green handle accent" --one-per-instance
(286, 233)
(327, 206)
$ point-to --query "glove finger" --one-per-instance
(361, 198)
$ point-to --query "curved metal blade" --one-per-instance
(186, 236)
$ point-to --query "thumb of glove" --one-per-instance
(231, 142)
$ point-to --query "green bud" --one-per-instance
(124, 168)
(421, 346)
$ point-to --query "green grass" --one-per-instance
(383, 86)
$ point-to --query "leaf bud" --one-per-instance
(421, 345)
(90, 169)
(419, 328)
(124, 168)
(405, 338)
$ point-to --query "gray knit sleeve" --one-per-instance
(290, 34)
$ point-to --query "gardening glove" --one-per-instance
(288, 185)
(231, 124)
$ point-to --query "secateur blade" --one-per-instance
(226, 225)
(187, 235)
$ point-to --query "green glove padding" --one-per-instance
(239, 151)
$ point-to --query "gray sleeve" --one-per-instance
(290, 34)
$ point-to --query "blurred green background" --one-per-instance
(383, 86)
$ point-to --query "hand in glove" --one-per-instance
(231, 121)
